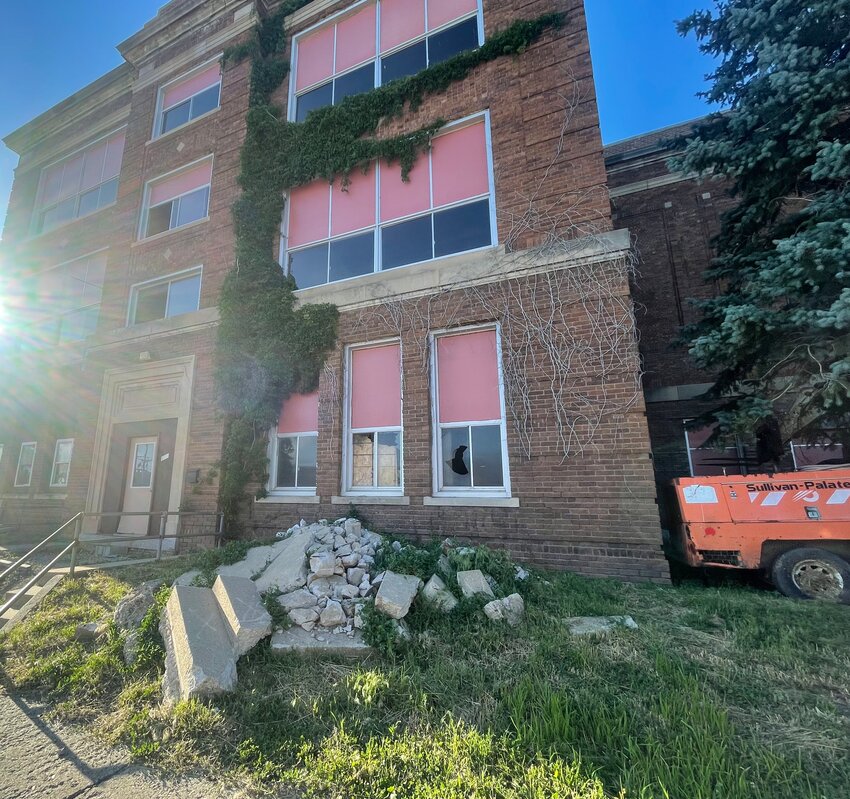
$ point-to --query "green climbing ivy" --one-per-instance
(268, 346)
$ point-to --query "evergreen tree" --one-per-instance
(778, 334)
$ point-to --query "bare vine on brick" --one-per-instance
(567, 332)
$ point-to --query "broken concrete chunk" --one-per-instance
(598, 625)
(333, 615)
(288, 570)
(328, 586)
(302, 598)
(298, 641)
(436, 593)
(187, 578)
(322, 564)
(134, 606)
(199, 654)
(396, 593)
(355, 575)
(349, 591)
(473, 582)
(352, 526)
(509, 609)
(304, 616)
(247, 620)
(90, 631)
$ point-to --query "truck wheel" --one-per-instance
(810, 573)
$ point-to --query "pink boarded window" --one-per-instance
(93, 169)
(51, 184)
(184, 89)
(181, 183)
(400, 199)
(299, 414)
(459, 165)
(468, 377)
(71, 176)
(376, 387)
(309, 212)
(441, 12)
(114, 152)
(355, 39)
(401, 21)
(315, 58)
(353, 208)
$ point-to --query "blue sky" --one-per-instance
(646, 75)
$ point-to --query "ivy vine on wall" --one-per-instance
(268, 346)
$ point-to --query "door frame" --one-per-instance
(144, 393)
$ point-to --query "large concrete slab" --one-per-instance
(473, 582)
(396, 594)
(288, 570)
(248, 622)
(200, 660)
(297, 641)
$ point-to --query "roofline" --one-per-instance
(651, 148)
(21, 139)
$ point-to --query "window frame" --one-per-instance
(147, 207)
(437, 457)
(38, 211)
(34, 445)
(57, 318)
(53, 483)
(292, 94)
(275, 490)
(159, 113)
(174, 277)
(348, 490)
(376, 229)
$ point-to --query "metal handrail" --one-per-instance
(33, 580)
(37, 547)
(74, 545)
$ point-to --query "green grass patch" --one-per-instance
(722, 692)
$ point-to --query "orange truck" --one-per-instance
(793, 526)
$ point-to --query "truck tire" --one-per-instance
(811, 573)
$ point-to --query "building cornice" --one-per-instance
(105, 89)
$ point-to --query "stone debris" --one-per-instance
(130, 611)
(598, 625)
(474, 582)
(288, 570)
(333, 615)
(248, 622)
(436, 593)
(510, 609)
(187, 578)
(296, 640)
(301, 598)
(90, 631)
(396, 594)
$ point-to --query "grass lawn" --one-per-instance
(723, 693)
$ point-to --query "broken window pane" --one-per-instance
(286, 449)
(389, 459)
(456, 471)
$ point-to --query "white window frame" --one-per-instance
(146, 206)
(59, 317)
(39, 210)
(275, 490)
(24, 444)
(472, 119)
(437, 456)
(348, 490)
(159, 114)
(376, 60)
(53, 483)
(167, 279)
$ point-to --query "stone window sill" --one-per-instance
(473, 502)
(289, 499)
(373, 500)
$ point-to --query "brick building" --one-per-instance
(673, 218)
(485, 382)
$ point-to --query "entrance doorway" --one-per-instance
(138, 486)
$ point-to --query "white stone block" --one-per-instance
(248, 622)
(396, 594)
(473, 582)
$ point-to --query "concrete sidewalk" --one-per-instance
(42, 759)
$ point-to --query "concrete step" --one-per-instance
(244, 614)
(15, 615)
(200, 659)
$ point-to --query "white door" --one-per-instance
(138, 490)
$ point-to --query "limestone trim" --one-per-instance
(473, 502)
(166, 387)
(289, 499)
(365, 500)
(460, 271)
